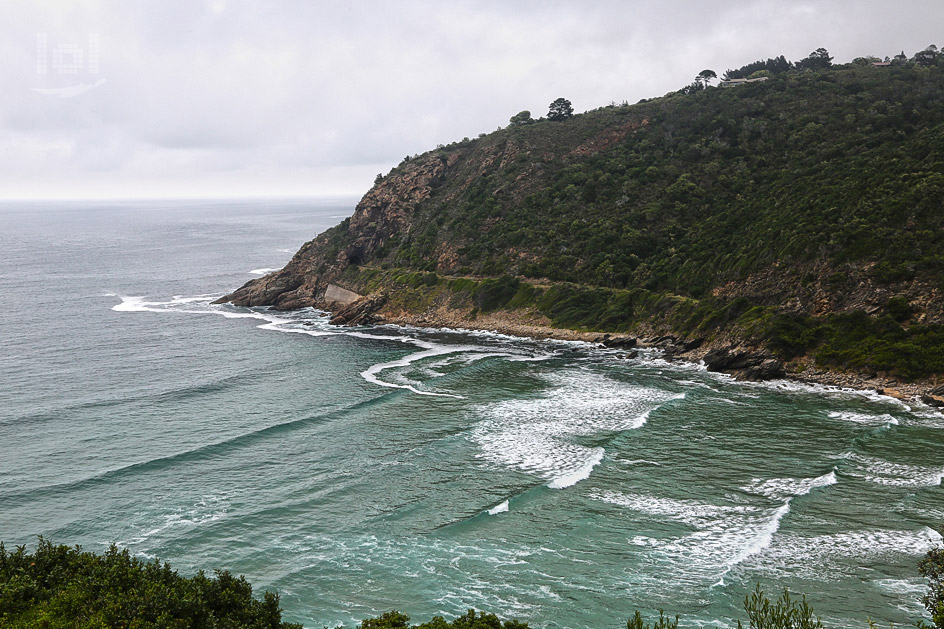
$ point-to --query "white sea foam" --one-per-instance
(135, 304)
(207, 510)
(187, 305)
(724, 537)
(926, 417)
(817, 557)
(138, 304)
(779, 489)
(499, 508)
(279, 325)
(537, 435)
(914, 588)
(691, 512)
(865, 418)
(882, 472)
(262, 271)
(582, 473)
(823, 390)
(371, 373)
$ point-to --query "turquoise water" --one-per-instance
(355, 471)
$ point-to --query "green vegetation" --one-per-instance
(59, 586)
(882, 342)
(472, 620)
(522, 117)
(932, 568)
(682, 194)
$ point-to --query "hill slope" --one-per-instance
(804, 214)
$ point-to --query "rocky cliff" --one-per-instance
(386, 212)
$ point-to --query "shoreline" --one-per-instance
(803, 371)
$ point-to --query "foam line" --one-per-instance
(885, 420)
(499, 508)
(283, 324)
(725, 535)
(640, 462)
(582, 473)
(262, 271)
(275, 326)
(779, 489)
(882, 472)
(763, 538)
(370, 374)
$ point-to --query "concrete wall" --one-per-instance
(340, 295)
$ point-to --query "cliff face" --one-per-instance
(385, 212)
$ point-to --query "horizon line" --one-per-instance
(202, 197)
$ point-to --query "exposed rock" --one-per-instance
(768, 369)
(672, 346)
(933, 400)
(360, 312)
(744, 365)
(263, 291)
(619, 342)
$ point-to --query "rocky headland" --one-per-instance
(791, 228)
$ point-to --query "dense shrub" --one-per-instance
(59, 586)
(681, 194)
(492, 294)
(471, 620)
(932, 568)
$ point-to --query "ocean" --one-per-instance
(354, 471)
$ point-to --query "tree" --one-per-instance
(927, 57)
(521, 118)
(560, 109)
(784, 613)
(693, 87)
(705, 76)
(819, 59)
(82, 589)
(932, 568)
(471, 620)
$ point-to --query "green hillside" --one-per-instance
(803, 213)
(690, 191)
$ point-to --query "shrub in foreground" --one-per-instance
(61, 586)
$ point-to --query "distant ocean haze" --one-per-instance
(356, 470)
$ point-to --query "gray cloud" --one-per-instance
(291, 97)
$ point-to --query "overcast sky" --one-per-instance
(184, 98)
